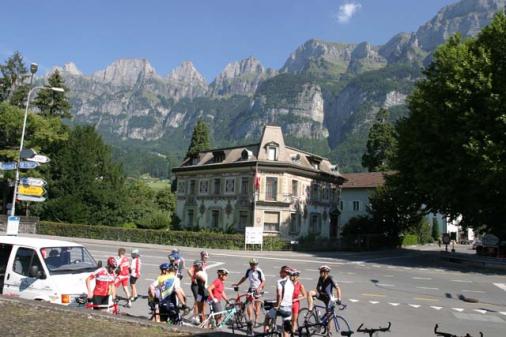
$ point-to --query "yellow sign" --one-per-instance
(37, 191)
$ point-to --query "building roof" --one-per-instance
(257, 154)
(363, 180)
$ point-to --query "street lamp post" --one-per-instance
(33, 70)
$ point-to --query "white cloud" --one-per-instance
(347, 10)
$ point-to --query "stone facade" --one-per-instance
(286, 191)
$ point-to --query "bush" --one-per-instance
(409, 240)
(162, 237)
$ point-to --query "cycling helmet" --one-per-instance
(253, 261)
(174, 257)
(175, 251)
(204, 254)
(287, 269)
(324, 268)
(165, 266)
(295, 272)
(223, 271)
(135, 251)
(111, 262)
(197, 263)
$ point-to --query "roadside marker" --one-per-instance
(373, 302)
(458, 309)
(416, 306)
(394, 304)
(437, 308)
(481, 311)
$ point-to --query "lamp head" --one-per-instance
(34, 67)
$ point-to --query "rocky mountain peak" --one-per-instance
(466, 17)
(186, 73)
(125, 72)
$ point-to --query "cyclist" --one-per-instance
(256, 279)
(299, 293)
(217, 293)
(135, 272)
(324, 290)
(123, 272)
(284, 300)
(104, 285)
(202, 293)
(164, 293)
(192, 272)
(176, 259)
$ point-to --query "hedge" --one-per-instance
(202, 239)
(410, 239)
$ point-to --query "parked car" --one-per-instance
(476, 243)
(43, 269)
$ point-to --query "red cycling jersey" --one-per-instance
(123, 266)
(103, 281)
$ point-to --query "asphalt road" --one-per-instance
(411, 288)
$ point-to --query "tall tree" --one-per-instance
(52, 103)
(452, 146)
(12, 87)
(381, 144)
(200, 139)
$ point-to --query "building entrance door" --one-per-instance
(334, 224)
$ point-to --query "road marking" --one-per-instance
(312, 270)
(149, 279)
(437, 308)
(462, 281)
(428, 288)
(236, 272)
(385, 285)
(216, 264)
(394, 304)
(306, 278)
(280, 259)
(351, 273)
(269, 275)
(426, 299)
(502, 313)
(423, 269)
(421, 278)
(342, 281)
(481, 311)
(458, 309)
(501, 286)
(373, 302)
(416, 306)
(472, 291)
(391, 267)
(373, 295)
(376, 265)
(388, 275)
(353, 300)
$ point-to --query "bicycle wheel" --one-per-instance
(307, 321)
(239, 319)
(336, 325)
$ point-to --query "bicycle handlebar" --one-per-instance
(372, 330)
(447, 334)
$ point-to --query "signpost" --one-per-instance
(27, 153)
(12, 225)
(254, 236)
(38, 158)
(23, 197)
(26, 165)
(36, 191)
(9, 165)
(32, 181)
(446, 240)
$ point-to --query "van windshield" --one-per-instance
(68, 259)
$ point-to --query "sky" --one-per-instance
(210, 33)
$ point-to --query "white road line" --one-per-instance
(216, 264)
(269, 275)
(481, 311)
(235, 272)
(385, 285)
(347, 282)
(306, 278)
(373, 302)
(472, 291)
(394, 304)
(421, 278)
(462, 281)
(388, 275)
(501, 286)
(416, 306)
(149, 279)
(428, 288)
(502, 313)
(353, 300)
(458, 309)
(437, 308)
(312, 270)
(351, 273)
(391, 267)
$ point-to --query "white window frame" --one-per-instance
(356, 206)
(202, 183)
(227, 180)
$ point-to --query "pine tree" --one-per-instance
(52, 103)
(200, 139)
(13, 74)
(381, 144)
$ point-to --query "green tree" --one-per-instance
(452, 146)
(13, 73)
(52, 103)
(381, 144)
(88, 187)
(200, 139)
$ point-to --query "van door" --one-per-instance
(21, 280)
(5, 253)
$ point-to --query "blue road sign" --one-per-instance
(28, 165)
(7, 166)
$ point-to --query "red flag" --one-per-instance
(257, 181)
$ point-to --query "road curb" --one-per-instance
(472, 262)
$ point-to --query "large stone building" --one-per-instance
(286, 191)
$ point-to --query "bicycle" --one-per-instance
(447, 334)
(322, 324)
(228, 319)
(113, 308)
(241, 302)
(372, 331)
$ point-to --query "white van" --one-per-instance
(43, 269)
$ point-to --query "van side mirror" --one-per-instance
(99, 264)
(35, 272)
